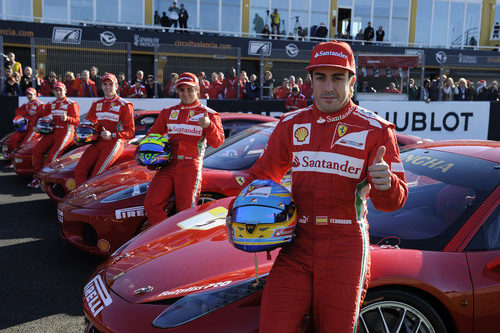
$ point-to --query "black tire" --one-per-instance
(393, 304)
(206, 197)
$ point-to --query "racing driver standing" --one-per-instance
(339, 154)
(189, 126)
(114, 119)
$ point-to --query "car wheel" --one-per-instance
(207, 197)
(399, 312)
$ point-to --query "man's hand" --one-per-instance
(64, 117)
(106, 135)
(379, 171)
(204, 121)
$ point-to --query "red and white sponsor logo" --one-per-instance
(330, 53)
(184, 129)
(58, 113)
(354, 140)
(325, 162)
(284, 231)
(301, 134)
(96, 295)
(340, 221)
(107, 116)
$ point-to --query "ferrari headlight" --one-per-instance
(129, 192)
(194, 306)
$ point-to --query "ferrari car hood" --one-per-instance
(27, 148)
(67, 162)
(118, 178)
(187, 253)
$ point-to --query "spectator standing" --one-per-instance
(243, 83)
(300, 82)
(150, 87)
(449, 90)
(282, 91)
(85, 86)
(69, 82)
(301, 33)
(295, 100)
(169, 90)
(123, 85)
(215, 90)
(492, 91)
(368, 34)
(380, 34)
(462, 91)
(252, 89)
(230, 85)
(183, 18)
(291, 81)
(47, 86)
(97, 79)
(275, 19)
(275, 33)
(412, 91)
(137, 90)
(7, 72)
(425, 94)
(139, 76)
(157, 18)
(268, 85)
(164, 20)
(306, 88)
(204, 85)
(391, 89)
(12, 88)
(174, 16)
(16, 66)
(27, 80)
(365, 87)
(434, 88)
(481, 93)
(266, 32)
(360, 35)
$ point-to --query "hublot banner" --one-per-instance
(144, 40)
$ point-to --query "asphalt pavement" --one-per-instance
(41, 276)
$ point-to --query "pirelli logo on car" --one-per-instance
(129, 212)
(325, 162)
(96, 295)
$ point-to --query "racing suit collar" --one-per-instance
(114, 98)
(192, 105)
(324, 117)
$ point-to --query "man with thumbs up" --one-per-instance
(189, 126)
(340, 154)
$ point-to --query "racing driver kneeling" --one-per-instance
(189, 126)
(339, 154)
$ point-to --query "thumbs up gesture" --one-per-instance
(379, 171)
(204, 121)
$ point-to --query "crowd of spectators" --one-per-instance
(462, 90)
(175, 16)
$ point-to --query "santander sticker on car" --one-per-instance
(96, 295)
(194, 288)
(325, 162)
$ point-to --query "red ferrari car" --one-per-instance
(435, 262)
(58, 177)
(108, 210)
(23, 161)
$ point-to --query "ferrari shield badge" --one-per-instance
(240, 180)
(342, 129)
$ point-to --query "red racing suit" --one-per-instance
(326, 267)
(230, 86)
(117, 116)
(54, 144)
(295, 102)
(187, 140)
(27, 110)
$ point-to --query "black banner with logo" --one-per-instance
(145, 39)
(494, 123)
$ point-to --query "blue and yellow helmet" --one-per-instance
(263, 217)
(154, 150)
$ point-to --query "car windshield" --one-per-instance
(444, 190)
(240, 151)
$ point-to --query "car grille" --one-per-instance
(58, 190)
(89, 235)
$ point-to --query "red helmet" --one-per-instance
(86, 132)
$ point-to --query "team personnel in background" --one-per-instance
(340, 155)
(137, 90)
(85, 86)
(65, 115)
(28, 111)
(190, 126)
(114, 118)
(230, 85)
(47, 87)
(283, 91)
(204, 85)
(123, 85)
(296, 100)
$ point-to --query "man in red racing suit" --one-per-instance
(28, 111)
(114, 117)
(65, 114)
(189, 125)
(339, 155)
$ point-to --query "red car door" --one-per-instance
(483, 255)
